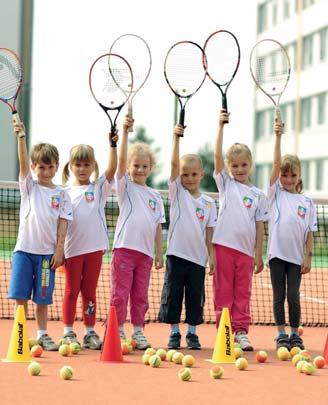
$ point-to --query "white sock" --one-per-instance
(40, 332)
(68, 329)
(88, 329)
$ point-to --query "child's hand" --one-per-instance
(306, 265)
(258, 264)
(57, 259)
(127, 123)
(223, 118)
(211, 266)
(278, 127)
(159, 263)
(178, 130)
(19, 128)
(115, 137)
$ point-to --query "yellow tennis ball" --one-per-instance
(306, 354)
(64, 350)
(241, 363)
(188, 360)
(145, 359)
(32, 342)
(294, 350)
(66, 372)
(238, 352)
(236, 344)
(177, 357)
(74, 348)
(216, 372)
(169, 354)
(150, 351)
(299, 366)
(184, 374)
(161, 353)
(34, 368)
(283, 354)
(155, 361)
(308, 368)
(298, 357)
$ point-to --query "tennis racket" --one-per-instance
(222, 61)
(11, 78)
(111, 94)
(184, 72)
(270, 69)
(137, 52)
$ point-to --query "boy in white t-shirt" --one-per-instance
(44, 211)
(192, 220)
(292, 222)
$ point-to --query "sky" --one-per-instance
(69, 35)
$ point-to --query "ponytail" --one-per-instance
(65, 174)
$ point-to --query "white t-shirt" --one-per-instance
(88, 231)
(291, 218)
(241, 206)
(189, 218)
(38, 218)
(141, 210)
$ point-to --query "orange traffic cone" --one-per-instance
(325, 352)
(111, 349)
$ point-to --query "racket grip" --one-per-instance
(18, 121)
(225, 106)
(113, 143)
(277, 117)
(181, 118)
(130, 115)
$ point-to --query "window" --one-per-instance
(323, 44)
(307, 55)
(260, 126)
(292, 109)
(259, 175)
(322, 108)
(308, 3)
(319, 174)
(286, 12)
(274, 14)
(306, 113)
(270, 120)
(305, 165)
(284, 115)
(262, 18)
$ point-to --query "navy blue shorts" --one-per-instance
(31, 277)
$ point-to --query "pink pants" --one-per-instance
(130, 272)
(232, 284)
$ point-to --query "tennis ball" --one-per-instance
(177, 357)
(36, 351)
(298, 357)
(145, 359)
(161, 353)
(299, 365)
(216, 372)
(64, 350)
(66, 372)
(300, 330)
(261, 356)
(283, 354)
(188, 360)
(184, 374)
(32, 342)
(306, 354)
(319, 362)
(238, 352)
(308, 368)
(294, 350)
(131, 343)
(150, 351)
(125, 348)
(62, 341)
(236, 344)
(74, 348)
(34, 368)
(155, 361)
(241, 363)
(169, 354)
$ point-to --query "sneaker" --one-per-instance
(242, 339)
(193, 342)
(174, 341)
(141, 340)
(283, 341)
(47, 343)
(70, 337)
(296, 341)
(92, 341)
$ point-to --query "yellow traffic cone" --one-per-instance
(19, 350)
(224, 348)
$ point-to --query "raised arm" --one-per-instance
(278, 127)
(123, 147)
(24, 165)
(218, 154)
(175, 157)
(112, 161)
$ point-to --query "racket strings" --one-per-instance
(10, 75)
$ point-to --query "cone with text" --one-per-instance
(111, 349)
(224, 348)
(19, 350)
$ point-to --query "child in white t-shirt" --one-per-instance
(238, 236)
(138, 233)
(292, 221)
(45, 210)
(86, 239)
(192, 220)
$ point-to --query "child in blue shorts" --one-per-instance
(44, 211)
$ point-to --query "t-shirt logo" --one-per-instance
(301, 211)
(152, 204)
(248, 202)
(200, 214)
(89, 196)
(55, 200)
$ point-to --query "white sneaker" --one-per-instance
(242, 339)
(140, 338)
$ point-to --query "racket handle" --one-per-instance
(130, 115)
(225, 107)
(181, 118)
(111, 136)
(18, 121)
(277, 117)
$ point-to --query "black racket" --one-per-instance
(137, 52)
(270, 69)
(222, 61)
(11, 78)
(184, 72)
(111, 94)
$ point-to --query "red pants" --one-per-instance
(81, 274)
(130, 271)
(232, 284)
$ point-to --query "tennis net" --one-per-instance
(314, 288)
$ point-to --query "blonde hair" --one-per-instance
(291, 163)
(238, 149)
(140, 148)
(80, 153)
(191, 158)
(45, 153)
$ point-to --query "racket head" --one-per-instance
(136, 51)
(111, 88)
(11, 77)
(222, 57)
(183, 68)
(270, 67)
